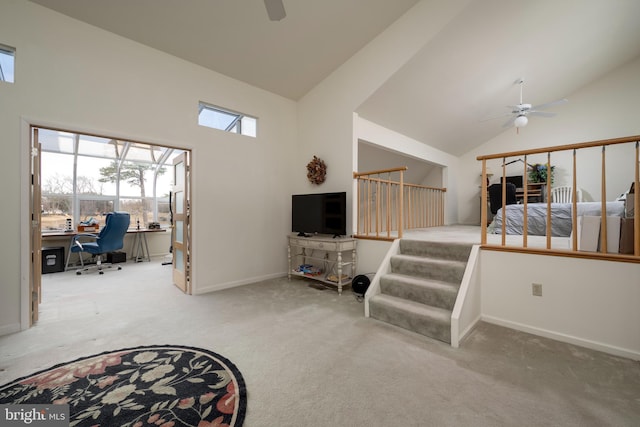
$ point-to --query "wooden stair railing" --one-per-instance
(574, 148)
(386, 205)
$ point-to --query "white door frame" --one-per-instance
(25, 200)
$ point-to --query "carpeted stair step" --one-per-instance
(428, 268)
(430, 292)
(430, 321)
(443, 250)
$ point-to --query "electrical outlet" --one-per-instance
(536, 289)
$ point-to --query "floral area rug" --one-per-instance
(169, 386)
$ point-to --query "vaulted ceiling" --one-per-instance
(236, 37)
(462, 76)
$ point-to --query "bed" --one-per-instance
(561, 217)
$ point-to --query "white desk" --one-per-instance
(140, 247)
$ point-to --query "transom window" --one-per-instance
(83, 177)
(7, 61)
(226, 120)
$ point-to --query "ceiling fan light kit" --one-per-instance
(520, 121)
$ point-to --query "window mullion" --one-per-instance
(74, 183)
(233, 124)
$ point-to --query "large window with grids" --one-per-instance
(84, 176)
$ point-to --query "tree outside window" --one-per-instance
(134, 175)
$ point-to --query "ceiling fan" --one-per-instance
(275, 9)
(520, 112)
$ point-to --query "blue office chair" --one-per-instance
(110, 238)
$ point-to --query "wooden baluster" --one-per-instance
(379, 201)
(357, 206)
(421, 208)
(434, 207)
(525, 213)
(409, 214)
(424, 205)
(603, 213)
(401, 204)
(483, 204)
(636, 205)
(504, 201)
(390, 210)
(369, 229)
(431, 207)
(574, 208)
(548, 196)
(439, 197)
(434, 198)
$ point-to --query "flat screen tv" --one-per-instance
(322, 213)
(517, 180)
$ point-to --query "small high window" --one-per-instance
(7, 60)
(226, 120)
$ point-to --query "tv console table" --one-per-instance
(316, 250)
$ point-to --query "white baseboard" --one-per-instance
(467, 330)
(593, 345)
(227, 285)
(9, 329)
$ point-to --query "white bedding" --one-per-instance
(560, 217)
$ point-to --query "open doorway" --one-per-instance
(78, 177)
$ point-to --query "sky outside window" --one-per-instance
(7, 64)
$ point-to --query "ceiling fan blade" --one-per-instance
(541, 113)
(508, 123)
(495, 117)
(275, 9)
(549, 104)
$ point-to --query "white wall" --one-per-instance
(585, 302)
(326, 123)
(75, 76)
(602, 110)
(370, 255)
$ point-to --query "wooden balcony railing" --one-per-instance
(633, 157)
(386, 205)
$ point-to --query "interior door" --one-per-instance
(180, 237)
(35, 280)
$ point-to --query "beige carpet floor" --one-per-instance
(310, 358)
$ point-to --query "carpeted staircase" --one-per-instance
(420, 291)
